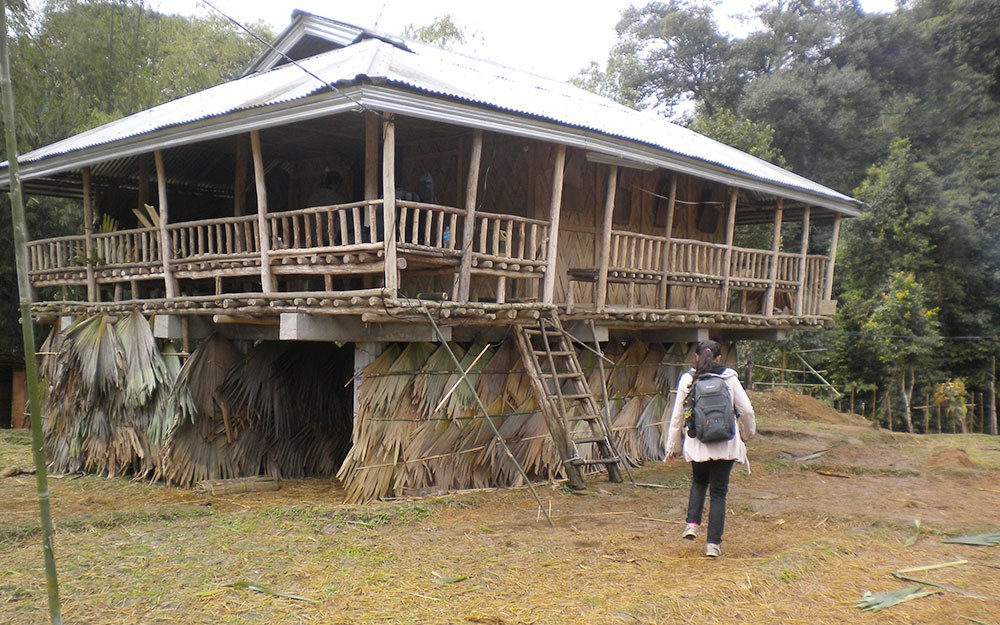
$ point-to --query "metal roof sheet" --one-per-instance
(440, 72)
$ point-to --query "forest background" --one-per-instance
(901, 110)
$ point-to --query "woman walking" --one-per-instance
(711, 463)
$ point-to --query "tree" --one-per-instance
(78, 64)
(906, 331)
(443, 32)
(680, 56)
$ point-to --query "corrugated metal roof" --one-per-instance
(443, 73)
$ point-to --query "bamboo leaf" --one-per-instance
(880, 601)
(255, 587)
(979, 540)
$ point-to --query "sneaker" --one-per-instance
(690, 531)
(713, 550)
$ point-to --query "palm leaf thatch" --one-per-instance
(195, 446)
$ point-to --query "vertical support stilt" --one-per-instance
(602, 273)
(469, 227)
(800, 293)
(389, 204)
(166, 251)
(266, 277)
(555, 205)
(775, 260)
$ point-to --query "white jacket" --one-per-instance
(697, 451)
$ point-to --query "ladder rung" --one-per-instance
(564, 376)
(611, 460)
(591, 439)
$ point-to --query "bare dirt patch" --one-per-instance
(806, 535)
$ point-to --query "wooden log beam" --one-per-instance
(88, 235)
(804, 251)
(834, 238)
(728, 256)
(469, 227)
(668, 231)
(602, 272)
(266, 277)
(166, 249)
(389, 202)
(318, 327)
(775, 258)
(552, 249)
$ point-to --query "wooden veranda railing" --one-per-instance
(509, 242)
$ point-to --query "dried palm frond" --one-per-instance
(94, 351)
(431, 384)
(621, 378)
(624, 427)
(493, 376)
(462, 403)
(145, 370)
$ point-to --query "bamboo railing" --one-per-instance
(326, 229)
(509, 242)
(635, 255)
(429, 227)
(696, 260)
(213, 239)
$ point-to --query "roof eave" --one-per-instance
(407, 101)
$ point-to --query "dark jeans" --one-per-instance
(712, 476)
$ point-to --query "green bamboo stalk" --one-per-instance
(28, 330)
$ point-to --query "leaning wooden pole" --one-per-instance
(27, 330)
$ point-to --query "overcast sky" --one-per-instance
(553, 38)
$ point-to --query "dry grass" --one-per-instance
(800, 547)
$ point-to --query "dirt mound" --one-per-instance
(951, 458)
(787, 404)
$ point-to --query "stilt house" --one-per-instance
(379, 196)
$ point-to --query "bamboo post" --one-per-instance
(828, 286)
(993, 395)
(20, 228)
(668, 232)
(93, 294)
(169, 283)
(927, 414)
(728, 257)
(469, 227)
(266, 277)
(772, 285)
(609, 208)
(389, 203)
(800, 294)
(240, 180)
(552, 249)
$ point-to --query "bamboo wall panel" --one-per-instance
(442, 159)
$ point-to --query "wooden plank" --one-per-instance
(728, 256)
(469, 227)
(602, 271)
(834, 238)
(389, 202)
(165, 249)
(775, 259)
(549, 281)
(803, 252)
(266, 277)
(318, 327)
(88, 235)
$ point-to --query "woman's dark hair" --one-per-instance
(707, 352)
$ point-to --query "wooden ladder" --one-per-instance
(548, 354)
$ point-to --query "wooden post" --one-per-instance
(668, 231)
(828, 287)
(371, 162)
(609, 209)
(551, 260)
(240, 180)
(728, 257)
(389, 203)
(469, 227)
(772, 285)
(266, 278)
(992, 396)
(801, 293)
(170, 285)
(93, 294)
(927, 414)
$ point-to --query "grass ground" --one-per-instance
(804, 540)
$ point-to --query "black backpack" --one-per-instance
(712, 415)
